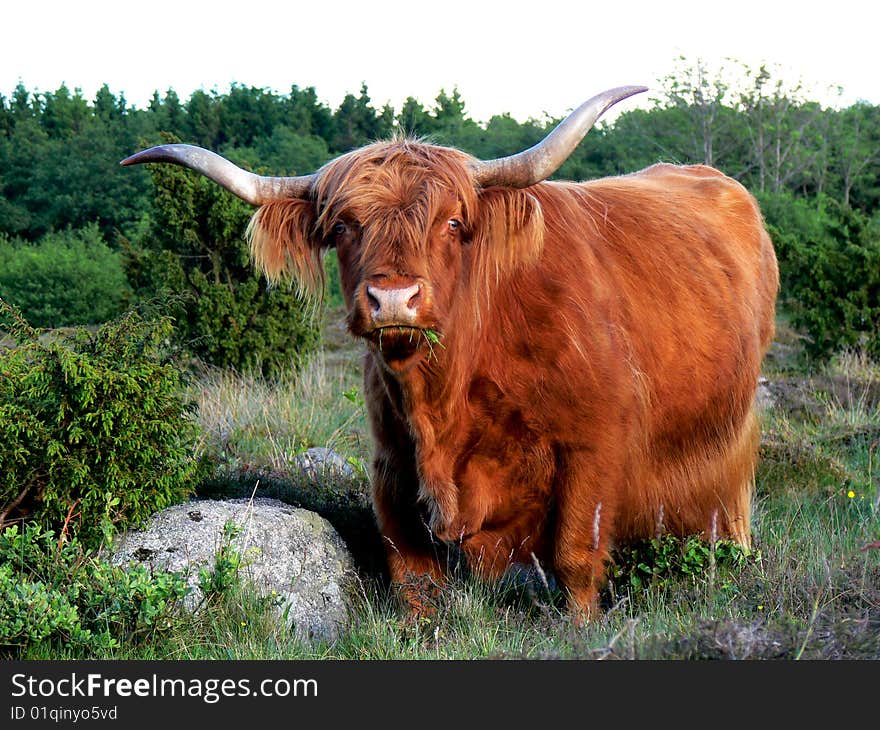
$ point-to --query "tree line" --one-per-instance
(59, 151)
(815, 169)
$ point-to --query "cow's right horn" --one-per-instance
(541, 161)
(253, 189)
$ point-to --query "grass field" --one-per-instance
(810, 589)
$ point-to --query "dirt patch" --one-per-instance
(808, 398)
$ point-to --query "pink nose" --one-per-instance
(394, 306)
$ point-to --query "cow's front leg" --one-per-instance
(416, 560)
(587, 491)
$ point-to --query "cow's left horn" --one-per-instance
(253, 189)
(541, 161)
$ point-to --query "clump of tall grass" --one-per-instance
(256, 431)
(826, 441)
(251, 420)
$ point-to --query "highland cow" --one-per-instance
(551, 368)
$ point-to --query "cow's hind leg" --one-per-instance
(727, 509)
(585, 516)
(738, 470)
(711, 494)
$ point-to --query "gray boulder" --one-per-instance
(319, 461)
(289, 551)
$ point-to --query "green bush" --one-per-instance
(829, 258)
(195, 250)
(67, 278)
(53, 591)
(94, 433)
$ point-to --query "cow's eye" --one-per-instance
(339, 229)
(454, 224)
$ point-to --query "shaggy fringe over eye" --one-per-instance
(282, 242)
(510, 232)
(408, 176)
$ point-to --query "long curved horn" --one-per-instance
(253, 189)
(541, 161)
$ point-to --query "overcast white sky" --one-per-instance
(525, 58)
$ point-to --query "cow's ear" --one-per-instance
(284, 245)
(509, 230)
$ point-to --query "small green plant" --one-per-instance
(432, 338)
(670, 558)
(228, 560)
(94, 433)
(353, 395)
(53, 591)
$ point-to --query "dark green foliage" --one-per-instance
(203, 116)
(306, 114)
(670, 558)
(67, 278)
(58, 166)
(246, 114)
(450, 125)
(285, 152)
(413, 119)
(196, 252)
(829, 256)
(94, 434)
(356, 123)
(52, 592)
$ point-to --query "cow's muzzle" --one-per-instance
(395, 313)
(394, 306)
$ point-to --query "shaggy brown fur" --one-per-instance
(596, 373)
